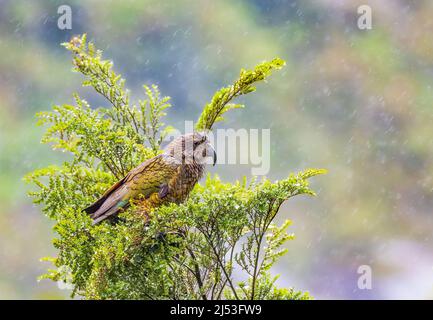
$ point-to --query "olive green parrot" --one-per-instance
(168, 177)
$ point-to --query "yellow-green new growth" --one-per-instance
(219, 105)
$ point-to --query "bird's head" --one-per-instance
(192, 148)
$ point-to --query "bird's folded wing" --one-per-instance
(141, 181)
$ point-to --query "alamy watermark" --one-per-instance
(241, 146)
(365, 19)
(64, 21)
(365, 280)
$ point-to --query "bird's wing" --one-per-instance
(143, 180)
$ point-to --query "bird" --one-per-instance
(166, 178)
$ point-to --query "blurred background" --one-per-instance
(357, 102)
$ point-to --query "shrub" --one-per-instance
(201, 249)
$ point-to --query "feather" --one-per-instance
(142, 181)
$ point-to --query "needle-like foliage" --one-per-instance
(220, 104)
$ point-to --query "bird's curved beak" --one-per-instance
(214, 154)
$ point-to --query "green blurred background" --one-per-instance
(357, 102)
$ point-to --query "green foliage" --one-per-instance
(220, 103)
(187, 251)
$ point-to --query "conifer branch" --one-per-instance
(220, 102)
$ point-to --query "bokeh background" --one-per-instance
(357, 102)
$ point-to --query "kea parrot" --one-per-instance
(166, 178)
